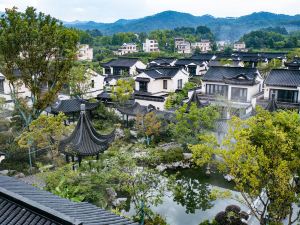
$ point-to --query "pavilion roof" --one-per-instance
(85, 140)
(71, 106)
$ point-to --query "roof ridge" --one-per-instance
(24, 201)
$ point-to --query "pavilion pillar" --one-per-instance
(97, 157)
(79, 160)
(67, 159)
(127, 123)
(73, 164)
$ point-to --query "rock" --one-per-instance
(168, 146)
(4, 172)
(161, 167)
(133, 133)
(119, 201)
(111, 194)
(119, 133)
(228, 177)
(19, 175)
(187, 156)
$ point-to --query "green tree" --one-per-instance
(262, 154)
(148, 125)
(265, 68)
(79, 80)
(190, 124)
(43, 50)
(123, 90)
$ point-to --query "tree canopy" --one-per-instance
(42, 50)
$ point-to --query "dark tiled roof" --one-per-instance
(203, 56)
(185, 62)
(2, 153)
(294, 63)
(71, 105)
(241, 75)
(162, 72)
(195, 99)
(112, 77)
(20, 202)
(121, 62)
(85, 140)
(163, 61)
(283, 78)
(133, 109)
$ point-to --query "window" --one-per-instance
(179, 86)
(239, 94)
(143, 86)
(285, 95)
(107, 70)
(165, 84)
(215, 89)
(1, 86)
(93, 84)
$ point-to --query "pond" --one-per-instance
(192, 205)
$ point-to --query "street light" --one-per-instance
(2, 156)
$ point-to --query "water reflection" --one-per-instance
(192, 194)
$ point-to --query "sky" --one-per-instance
(112, 10)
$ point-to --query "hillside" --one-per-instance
(224, 28)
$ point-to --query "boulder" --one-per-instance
(187, 156)
(19, 175)
(4, 172)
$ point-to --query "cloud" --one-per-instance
(111, 10)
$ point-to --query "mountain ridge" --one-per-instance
(225, 28)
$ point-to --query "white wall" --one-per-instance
(158, 105)
(155, 86)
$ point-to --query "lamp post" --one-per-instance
(2, 156)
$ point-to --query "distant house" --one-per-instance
(159, 62)
(203, 45)
(121, 67)
(96, 84)
(85, 53)
(294, 64)
(232, 87)
(127, 48)
(153, 85)
(184, 48)
(5, 90)
(285, 84)
(240, 46)
(22, 203)
(193, 66)
(178, 41)
(150, 46)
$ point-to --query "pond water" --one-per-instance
(192, 205)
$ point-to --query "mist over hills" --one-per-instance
(229, 28)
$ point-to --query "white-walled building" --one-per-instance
(150, 45)
(85, 53)
(240, 46)
(5, 90)
(153, 85)
(194, 67)
(121, 67)
(184, 48)
(285, 84)
(96, 84)
(127, 48)
(203, 45)
(232, 87)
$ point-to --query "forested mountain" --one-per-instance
(224, 28)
